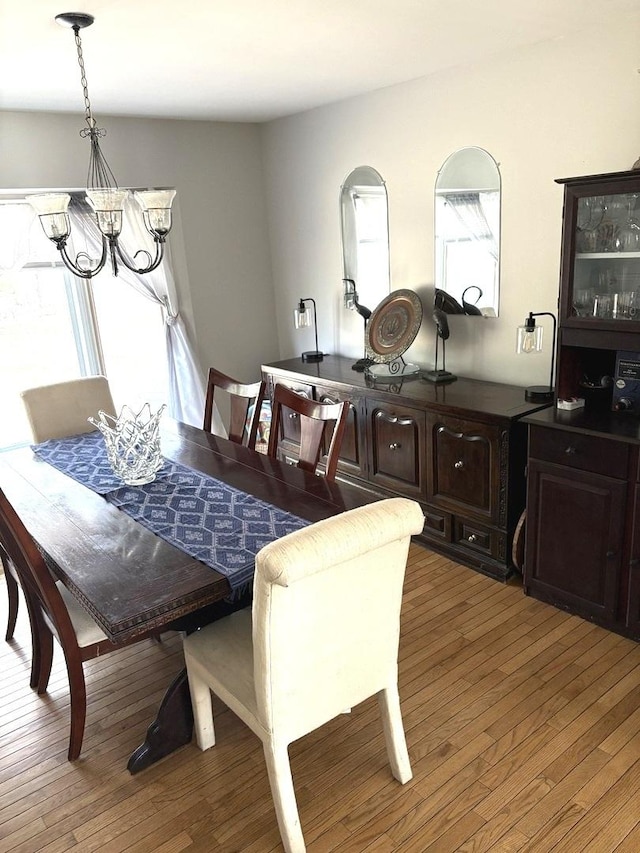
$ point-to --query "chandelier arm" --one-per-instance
(153, 263)
(74, 267)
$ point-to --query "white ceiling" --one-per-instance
(254, 60)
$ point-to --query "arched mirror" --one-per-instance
(467, 233)
(365, 240)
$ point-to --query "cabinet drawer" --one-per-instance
(584, 452)
(478, 539)
(437, 525)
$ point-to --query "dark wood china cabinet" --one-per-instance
(458, 449)
(582, 549)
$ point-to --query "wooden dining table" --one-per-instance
(132, 581)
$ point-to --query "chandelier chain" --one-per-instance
(83, 81)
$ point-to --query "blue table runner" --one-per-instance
(217, 524)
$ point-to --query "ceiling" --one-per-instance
(255, 60)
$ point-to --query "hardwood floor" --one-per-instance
(523, 726)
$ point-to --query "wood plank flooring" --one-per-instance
(523, 726)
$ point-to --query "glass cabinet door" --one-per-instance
(605, 284)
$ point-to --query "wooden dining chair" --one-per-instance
(322, 636)
(314, 418)
(54, 612)
(62, 409)
(245, 401)
(55, 411)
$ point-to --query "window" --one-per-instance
(55, 327)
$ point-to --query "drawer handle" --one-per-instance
(394, 419)
(459, 464)
(293, 416)
(473, 538)
(610, 554)
(570, 450)
(395, 445)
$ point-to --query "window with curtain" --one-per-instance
(55, 327)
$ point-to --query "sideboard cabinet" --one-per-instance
(458, 449)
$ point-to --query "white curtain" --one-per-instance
(186, 381)
(478, 213)
(16, 221)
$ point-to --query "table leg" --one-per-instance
(173, 725)
(171, 729)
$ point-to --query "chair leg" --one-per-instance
(41, 647)
(12, 592)
(389, 702)
(78, 694)
(202, 707)
(284, 797)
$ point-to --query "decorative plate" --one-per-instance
(393, 326)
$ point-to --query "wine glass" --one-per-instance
(628, 235)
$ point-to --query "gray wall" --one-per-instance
(246, 254)
(219, 243)
(560, 108)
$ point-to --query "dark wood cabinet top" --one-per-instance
(614, 425)
(465, 397)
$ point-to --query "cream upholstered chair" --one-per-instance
(321, 637)
(62, 409)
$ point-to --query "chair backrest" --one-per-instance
(243, 420)
(313, 420)
(326, 614)
(62, 409)
(36, 580)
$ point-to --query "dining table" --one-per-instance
(133, 581)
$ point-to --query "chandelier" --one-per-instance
(104, 196)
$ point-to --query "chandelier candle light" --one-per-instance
(104, 196)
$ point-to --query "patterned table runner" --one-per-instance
(207, 519)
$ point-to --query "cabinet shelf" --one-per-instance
(606, 256)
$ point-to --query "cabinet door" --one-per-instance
(397, 449)
(633, 608)
(601, 256)
(352, 450)
(575, 525)
(465, 460)
(290, 423)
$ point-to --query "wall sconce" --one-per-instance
(302, 319)
(529, 341)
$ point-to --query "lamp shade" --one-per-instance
(302, 318)
(52, 210)
(108, 206)
(529, 339)
(156, 210)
